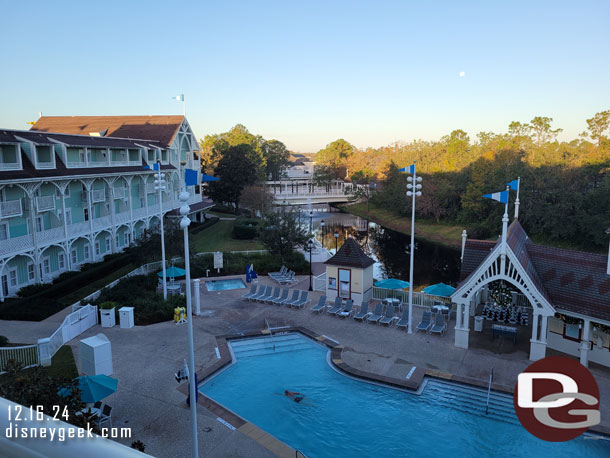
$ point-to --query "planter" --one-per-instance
(108, 318)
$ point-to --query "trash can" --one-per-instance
(126, 317)
(108, 319)
(478, 324)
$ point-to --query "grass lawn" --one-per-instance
(445, 234)
(63, 364)
(218, 238)
(98, 284)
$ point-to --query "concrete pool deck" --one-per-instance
(145, 359)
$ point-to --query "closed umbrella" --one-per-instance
(96, 387)
(439, 289)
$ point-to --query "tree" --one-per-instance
(597, 125)
(334, 157)
(214, 146)
(281, 233)
(276, 157)
(541, 128)
(237, 168)
(257, 198)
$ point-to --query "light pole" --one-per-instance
(310, 220)
(310, 243)
(160, 186)
(184, 224)
(415, 187)
(323, 233)
(336, 234)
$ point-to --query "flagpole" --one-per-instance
(504, 231)
(414, 192)
(517, 200)
(160, 188)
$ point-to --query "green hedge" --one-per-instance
(139, 291)
(244, 232)
(235, 263)
(197, 228)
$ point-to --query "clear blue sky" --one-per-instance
(310, 72)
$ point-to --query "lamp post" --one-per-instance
(414, 190)
(310, 220)
(323, 233)
(336, 234)
(310, 243)
(160, 186)
(184, 224)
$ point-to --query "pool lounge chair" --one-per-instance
(425, 324)
(275, 296)
(347, 309)
(264, 293)
(337, 305)
(252, 292)
(276, 293)
(302, 301)
(294, 298)
(281, 273)
(404, 319)
(320, 306)
(282, 297)
(440, 325)
(388, 317)
(363, 313)
(289, 278)
(377, 313)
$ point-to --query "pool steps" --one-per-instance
(265, 345)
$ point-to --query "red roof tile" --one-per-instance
(350, 255)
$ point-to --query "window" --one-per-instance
(31, 272)
(74, 257)
(86, 213)
(4, 231)
(68, 216)
(67, 191)
(332, 283)
(61, 261)
(126, 238)
(39, 224)
(12, 277)
(57, 193)
(345, 289)
(107, 208)
(108, 248)
(572, 331)
(46, 266)
(141, 202)
(117, 241)
(97, 248)
(86, 249)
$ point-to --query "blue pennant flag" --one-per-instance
(410, 169)
(146, 167)
(499, 196)
(156, 166)
(190, 177)
(514, 185)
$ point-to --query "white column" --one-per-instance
(461, 323)
(538, 340)
(196, 288)
(535, 326)
(33, 214)
(543, 328)
(466, 322)
(585, 344)
(2, 264)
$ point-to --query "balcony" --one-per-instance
(45, 165)
(122, 217)
(150, 188)
(98, 195)
(45, 203)
(9, 166)
(102, 223)
(119, 193)
(25, 242)
(10, 208)
(50, 235)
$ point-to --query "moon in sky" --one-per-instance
(462, 74)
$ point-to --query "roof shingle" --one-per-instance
(350, 255)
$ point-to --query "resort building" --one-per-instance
(565, 292)
(76, 188)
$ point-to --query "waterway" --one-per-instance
(433, 263)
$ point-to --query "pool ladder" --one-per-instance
(270, 333)
(491, 377)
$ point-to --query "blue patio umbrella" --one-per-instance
(96, 387)
(392, 283)
(439, 289)
(173, 272)
(206, 178)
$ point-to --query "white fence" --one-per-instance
(319, 282)
(421, 299)
(28, 355)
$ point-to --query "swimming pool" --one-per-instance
(343, 417)
(222, 285)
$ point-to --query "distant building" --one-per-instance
(75, 188)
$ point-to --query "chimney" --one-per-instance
(608, 268)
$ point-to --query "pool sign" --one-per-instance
(218, 260)
(557, 399)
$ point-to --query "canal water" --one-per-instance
(433, 263)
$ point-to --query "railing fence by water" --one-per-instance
(491, 377)
(419, 298)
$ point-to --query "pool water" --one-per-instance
(343, 417)
(222, 285)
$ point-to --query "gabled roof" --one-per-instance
(350, 255)
(158, 128)
(570, 280)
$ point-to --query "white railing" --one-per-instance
(419, 298)
(100, 223)
(45, 165)
(150, 188)
(9, 166)
(119, 193)
(98, 195)
(27, 354)
(45, 203)
(76, 164)
(78, 228)
(135, 162)
(11, 208)
(18, 243)
(118, 163)
(50, 235)
(319, 282)
(122, 217)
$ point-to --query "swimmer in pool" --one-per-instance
(294, 395)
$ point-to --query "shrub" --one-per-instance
(107, 305)
(208, 222)
(244, 232)
(3, 341)
(235, 263)
(31, 290)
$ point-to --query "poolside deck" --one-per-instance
(146, 357)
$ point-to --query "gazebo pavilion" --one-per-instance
(568, 292)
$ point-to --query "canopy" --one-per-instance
(96, 387)
(173, 272)
(205, 178)
(392, 283)
(439, 289)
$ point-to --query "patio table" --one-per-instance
(501, 331)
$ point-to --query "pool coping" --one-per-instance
(336, 349)
(241, 277)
